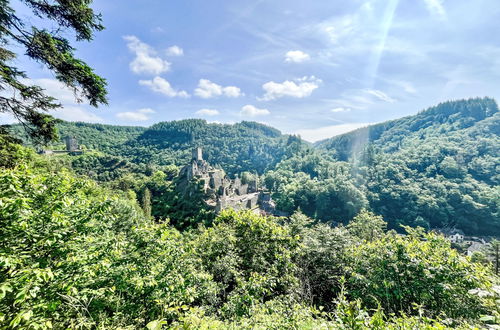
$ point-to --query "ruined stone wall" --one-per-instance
(224, 192)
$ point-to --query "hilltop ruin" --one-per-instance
(72, 148)
(223, 192)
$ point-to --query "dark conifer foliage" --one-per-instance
(27, 102)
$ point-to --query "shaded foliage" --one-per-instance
(27, 102)
(76, 255)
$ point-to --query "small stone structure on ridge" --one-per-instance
(72, 148)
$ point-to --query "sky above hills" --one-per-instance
(316, 68)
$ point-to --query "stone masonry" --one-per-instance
(223, 192)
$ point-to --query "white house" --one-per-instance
(456, 238)
(475, 247)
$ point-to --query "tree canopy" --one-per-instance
(437, 169)
(76, 255)
(25, 101)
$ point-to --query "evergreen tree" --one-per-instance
(494, 252)
(27, 102)
(146, 202)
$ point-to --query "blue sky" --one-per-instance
(316, 68)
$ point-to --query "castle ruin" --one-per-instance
(221, 191)
(71, 144)
(72, 148)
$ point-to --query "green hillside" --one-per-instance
(439, 168)
(93, 136)
(130, 251)
(245, 146)
(442, 120)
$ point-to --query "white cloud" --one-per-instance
(353, 100)
(436, 8)
(340, 28)
(321, 133)
(73, 113)
(367, 7)
(72, 109)
(232, 91)
(361, 99)
(340, 109)
(406, 86)
(380, 95)
(252, 111)
(299, 88)
(296, 56)
(409, 88)
(132, 116)
(207, 89)
(175, 51)
(160, 85)
(207, 112)
(353, 35)
(54, 88)
(68, 113)
(139, 115)
(146, 59)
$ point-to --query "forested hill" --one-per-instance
(439, 168)
(244, 146)
(449, 119)
(100, 137)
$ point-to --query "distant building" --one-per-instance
(453, 235)
(71, 144)
(197, 154)
(223, 192)
(72, 148)
(475, 247)
(456, 238)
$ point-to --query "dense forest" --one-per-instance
(75, 254)
(245, 146)
(116, 234)
(437, 169)
(106, 239)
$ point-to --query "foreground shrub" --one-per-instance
(251, 257)
(72, 255)
(401, 272)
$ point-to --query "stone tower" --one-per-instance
(197, 154)
(71, 144)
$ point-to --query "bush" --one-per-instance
(251, 257)
(72, 255)
(400, 272)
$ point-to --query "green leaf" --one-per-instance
(156, 325)
(488, 319)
